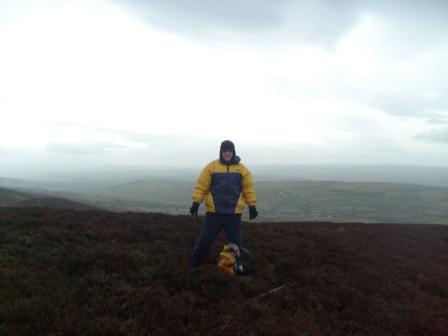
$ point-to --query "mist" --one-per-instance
(159, 84)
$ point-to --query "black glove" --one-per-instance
(194, 209)
(252, 212)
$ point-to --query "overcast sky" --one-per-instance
(131, 82)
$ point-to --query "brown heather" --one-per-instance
(67, 272)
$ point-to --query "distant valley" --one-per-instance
(279, 198)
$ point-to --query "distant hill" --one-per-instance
(405, 174)
(8, 181)
(372, 202)
(19, 199)
(278, 200)
(9, 196)
(66, 272)
(51, 202)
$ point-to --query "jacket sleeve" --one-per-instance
(248, 189)
(202, 185)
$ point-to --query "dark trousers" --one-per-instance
(213, 225)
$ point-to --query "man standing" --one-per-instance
(226, 185)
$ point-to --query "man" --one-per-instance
(226, 185)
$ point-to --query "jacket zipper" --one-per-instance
(228, 185)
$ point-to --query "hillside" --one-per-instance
(287, 200)
(51, 202)
(8, 196)
(422, 175)
(19, 199)
(371, 202)
(66, 272)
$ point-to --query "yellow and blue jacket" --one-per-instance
(225, 187)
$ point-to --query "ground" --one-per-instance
(67, 272)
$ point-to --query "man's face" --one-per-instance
(227, 155)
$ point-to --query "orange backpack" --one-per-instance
(229, 260)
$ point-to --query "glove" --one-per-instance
(194, 209)
(252, 212)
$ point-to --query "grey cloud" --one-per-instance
(419, 92)
(409, 104)
(210, 14)
(320, 22)
(151, 140)
(438, 118)
(146, 139)
(259, 21)
(153, 144)
(436, 135)
(413, 105)
(83, 148)
(412, 24)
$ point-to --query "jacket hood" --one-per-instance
(228, 145)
